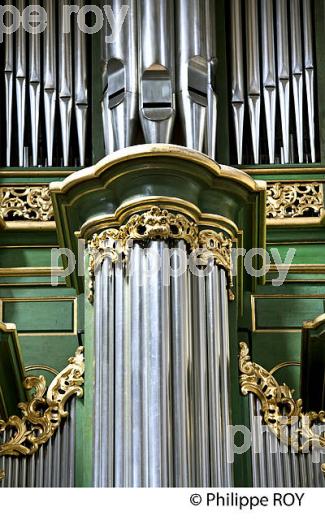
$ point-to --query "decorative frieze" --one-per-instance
(299, 199)
(26, 203)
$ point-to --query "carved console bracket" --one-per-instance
(43, 414)
(279, 408)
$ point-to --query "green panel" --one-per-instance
(270, 349)
(286, 313)
(26, 257)
(40, 316)
(52, 351)
(304, 253)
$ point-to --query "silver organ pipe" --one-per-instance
(53, 465)
(156, 69)
(9, 79)
(50, 82)
(297, 73)
(80, 88)
(162, 396)
(309, 74)
(21, 76)
(269, 73)
(283, 74)
(120, 96)
(65, 83)
(34, 88)
(274, 464)
(237, 79)
(196, 71)
(253, 74)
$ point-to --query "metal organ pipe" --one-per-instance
(196, 71)
(121, 92)
(162, 395)
(21, 74)
(156, 69)
(9, 78)
(49, 74)
(297, 73)
(34, 88)
(65, 83)
(80, 87)
(237, 80)
(309, 74)
(253, 74)
(269, 73)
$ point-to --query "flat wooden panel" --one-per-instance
(46, 316)
(304, 253)
(25, 257)
(286, 313)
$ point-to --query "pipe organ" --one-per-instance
(159, 77)
(128, 121)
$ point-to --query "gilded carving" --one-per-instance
(42, 415)
(294, 200)
(278, 406)
(217, 246)
(26, 203)
(153, 224)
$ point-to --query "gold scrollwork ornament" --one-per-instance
(279, 408)
(42, 415)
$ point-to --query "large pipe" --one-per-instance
(21, 73)
(9, 75)
(65, 83)
(80, 87)
(34, 87)
(156, 69)
(192, 73)
(269, 73)
(120, 94)
(309, 74)
(49, 75)
(237, 78)
(283, 67)
(253, 74)
(297, 73)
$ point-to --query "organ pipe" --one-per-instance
(161, 403)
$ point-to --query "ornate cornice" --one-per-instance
(279, 408)
(158, 223)
(42, 415)
(294, 200)
(31, 203)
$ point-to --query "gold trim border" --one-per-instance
(73, 299)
